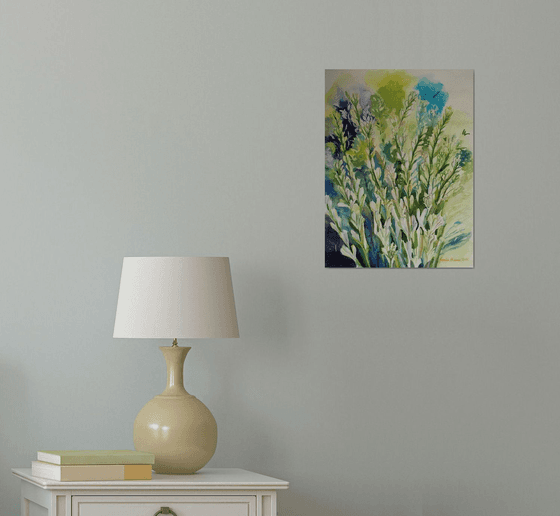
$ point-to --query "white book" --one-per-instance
(95, 457)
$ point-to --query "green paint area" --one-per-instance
(391, 85)
(459, 209)
(342, 83)
(461, 122)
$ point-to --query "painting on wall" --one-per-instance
(399, 168)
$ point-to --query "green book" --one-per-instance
(95, 457)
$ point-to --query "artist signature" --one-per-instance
(454, 260)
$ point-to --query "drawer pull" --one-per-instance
(165, 510)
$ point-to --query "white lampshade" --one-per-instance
(174, 297)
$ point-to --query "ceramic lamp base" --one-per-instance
(175, 426)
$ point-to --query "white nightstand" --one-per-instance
(210, 492)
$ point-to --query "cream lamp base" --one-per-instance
(175, 426)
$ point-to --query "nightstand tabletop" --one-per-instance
(206, 478)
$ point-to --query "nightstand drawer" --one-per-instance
(226, 505)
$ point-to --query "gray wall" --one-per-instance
(146, 128)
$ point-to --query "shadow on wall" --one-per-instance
(266, 309)
(14, 433)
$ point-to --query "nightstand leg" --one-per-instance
(266, 504)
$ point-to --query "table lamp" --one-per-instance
(174, 298)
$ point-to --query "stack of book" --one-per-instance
(76, 465)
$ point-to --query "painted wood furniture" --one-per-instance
(210, 492)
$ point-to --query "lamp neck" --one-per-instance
(175, 360)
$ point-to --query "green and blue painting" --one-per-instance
(399, 168)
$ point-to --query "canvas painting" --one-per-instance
(399, 168)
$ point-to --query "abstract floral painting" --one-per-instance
(399, 168)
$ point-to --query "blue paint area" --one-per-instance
(433, 94)
(386, 149)
(425, 118)
(457, 241)
(464, 157)
(329, 188)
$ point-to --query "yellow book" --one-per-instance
(91, 471)
(67, 457)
